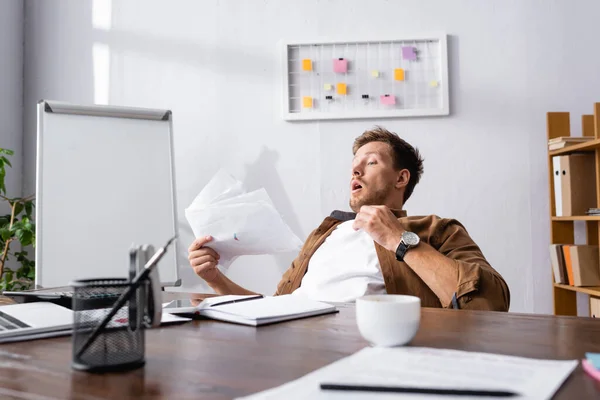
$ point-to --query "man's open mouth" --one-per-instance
(355, 186)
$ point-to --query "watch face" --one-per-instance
(410, 238)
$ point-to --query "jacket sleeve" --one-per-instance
(480, 287)
(284, 285)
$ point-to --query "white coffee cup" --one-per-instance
(388, 320)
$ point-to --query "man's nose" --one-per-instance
(355, 172)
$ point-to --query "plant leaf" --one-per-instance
(4, 160)
(28, 208)
(5, 233)
(25, 237)
(18, 208)
(2, 175)
(6, 151)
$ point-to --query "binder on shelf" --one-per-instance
(557, 186)
(585, 262)
(558, 264)
(568, 263)
(574, 184)
(594, 307)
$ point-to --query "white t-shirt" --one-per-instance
(343, 268)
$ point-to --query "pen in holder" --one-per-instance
(120, 344)
(111, 315)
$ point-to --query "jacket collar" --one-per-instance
(347, 215)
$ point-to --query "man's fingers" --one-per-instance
(358, 222)
(201, 241)
(202, 269)
(195, 262)
(202, 252)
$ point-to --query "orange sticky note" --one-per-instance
(307, 64)
(399, 74)
(307, 102)
(341, 88)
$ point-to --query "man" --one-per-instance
(378, 249)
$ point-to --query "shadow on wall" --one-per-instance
(263, 173)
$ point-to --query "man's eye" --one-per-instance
(371, 163)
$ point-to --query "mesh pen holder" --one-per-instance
(120, 345)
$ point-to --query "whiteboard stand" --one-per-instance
(404, 77)
(105, 180)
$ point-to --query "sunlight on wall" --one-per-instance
(102, 20)
(101, 59)
(102, 14)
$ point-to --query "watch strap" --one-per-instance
(401, 251)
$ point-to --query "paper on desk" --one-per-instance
(426, 367)
(240, 223)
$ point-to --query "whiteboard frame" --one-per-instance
(57, 107)
(360, 114)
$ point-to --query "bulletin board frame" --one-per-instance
(353, 107)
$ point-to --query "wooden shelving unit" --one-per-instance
(562, 228)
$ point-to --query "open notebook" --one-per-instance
(252, 310)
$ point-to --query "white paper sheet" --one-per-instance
(240, 223)
(431, 368)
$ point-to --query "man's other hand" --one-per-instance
(203, 259)
(381, 224)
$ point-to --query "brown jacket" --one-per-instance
(480, 287)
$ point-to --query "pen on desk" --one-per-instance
(237, 300)
(400, 389)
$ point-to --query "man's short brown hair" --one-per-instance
(404, 155)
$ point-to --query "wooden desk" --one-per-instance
(207, 359)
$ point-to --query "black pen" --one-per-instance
(399, 389)
(260, 296)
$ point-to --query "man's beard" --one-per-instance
(376, 198)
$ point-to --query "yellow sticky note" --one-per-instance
(434, 84)
(341, 88)
(375, 73)
(307, 102)
(307, 64)
(399, 74)
(327, 86)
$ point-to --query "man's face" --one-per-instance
(373, 176)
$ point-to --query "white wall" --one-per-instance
(11, 92)
(215, 64)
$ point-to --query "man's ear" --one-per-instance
(402, 179)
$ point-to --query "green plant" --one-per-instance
(16, 227)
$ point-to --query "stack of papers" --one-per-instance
(426, 368)
(240, 223)
(563, 141)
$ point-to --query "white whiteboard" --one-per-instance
(105, 180)
(404, 77)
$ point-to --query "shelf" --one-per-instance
(587, 146)
(578, 218)
(591, 290)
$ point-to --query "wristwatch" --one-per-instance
(409, 240)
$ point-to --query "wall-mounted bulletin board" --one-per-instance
(366, 79)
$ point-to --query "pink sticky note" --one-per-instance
(388, 100)
(408, 53)
(340, 65)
